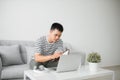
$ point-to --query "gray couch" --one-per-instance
(14, 58)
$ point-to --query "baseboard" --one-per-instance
(115, 67)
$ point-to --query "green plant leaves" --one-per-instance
(94, 57)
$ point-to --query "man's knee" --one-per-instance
(34, 64)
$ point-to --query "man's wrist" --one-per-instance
(51, 57)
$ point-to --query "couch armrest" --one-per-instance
(0, 68)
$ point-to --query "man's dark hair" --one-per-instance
(57, 26)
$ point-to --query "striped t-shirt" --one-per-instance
(45, 48)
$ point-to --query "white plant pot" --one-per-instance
(93, 67)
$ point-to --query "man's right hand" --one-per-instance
(56, 55)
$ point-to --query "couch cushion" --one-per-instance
(30, 53)
(10, 55)
(23, 53)
(15, 71)
(22, 44)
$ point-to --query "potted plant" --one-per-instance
(93, 58)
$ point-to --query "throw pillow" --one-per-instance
(30, 53)
(10, 55)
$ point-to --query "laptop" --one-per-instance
(69, 62)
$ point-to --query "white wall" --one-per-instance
(90, 25)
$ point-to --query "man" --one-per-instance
(49, 48)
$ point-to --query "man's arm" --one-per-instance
(41, 58)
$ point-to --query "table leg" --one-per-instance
(25, 77)
(113, 76)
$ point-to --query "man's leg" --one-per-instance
(52, 63)
(47, 64)
(33, 63)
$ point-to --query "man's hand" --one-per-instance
(56, 55)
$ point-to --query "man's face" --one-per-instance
(55, 35)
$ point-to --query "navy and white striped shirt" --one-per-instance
(45, 48)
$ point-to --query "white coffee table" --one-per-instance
(80, 74)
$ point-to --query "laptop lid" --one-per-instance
(68, 63)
